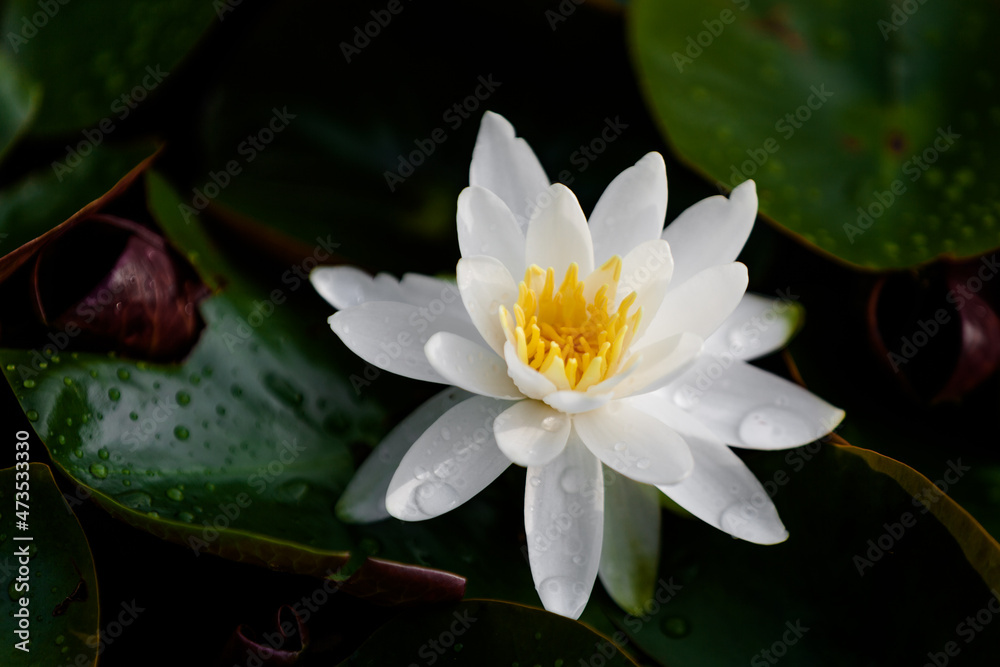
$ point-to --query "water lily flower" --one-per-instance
(607, 356)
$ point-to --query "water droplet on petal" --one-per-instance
(642, 464)
(770, 426)
(534, 480)
(571, 480)
(620, 446)
(434, 498)
(553, 423)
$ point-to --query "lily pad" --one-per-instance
(868, 127)
(855, 535)
(486, 632)
(57, 585)
(99, 61)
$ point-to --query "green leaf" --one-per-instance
(43, 199)
(61, 585)
(241, 450)
(19, 102)
(486, 632)
(865, 571)
(630, 552)
(831, 111)
(99, 61)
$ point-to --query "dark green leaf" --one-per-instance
(832, 107)
(59, 583)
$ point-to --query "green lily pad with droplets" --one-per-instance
(870, 131)
(59, 583)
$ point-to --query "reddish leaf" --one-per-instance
(279, 648)
(389, 583)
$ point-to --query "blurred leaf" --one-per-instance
(867, 571)
(832, 107)
(384, 582)
(43, 199)
(98, 61)
(61, 588)
(486, 632)
(19, 101)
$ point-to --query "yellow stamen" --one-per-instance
(568, 334)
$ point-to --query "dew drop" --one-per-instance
(61, 439)
(183, 398)
(181, 433)
(578, 559)
(134, 416)
(103, 453)
(78, 453)
(683, 399)
(98, 470)
(236, 391)
(209, 486)
(552, 423)
(175, 494)
(114, 394)
(571, 480)
(123, 374)
(186, 517)
(31, 415)
(284, 390)
(642, 464)
(68, 381)
(435, 498)
(534, 480)
(29, 384)
(772, 426)
(620, 446)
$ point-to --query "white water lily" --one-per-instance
(602, 353)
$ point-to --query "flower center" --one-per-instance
(569, 335)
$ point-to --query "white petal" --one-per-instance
(748, 407)
(631, 210)
(531, 383)
(572, 402)
(487, 227)
(531, 433)
(712, 232)
(634, 444)
(470, 366)
(659, 363)
(721, 490)
(558, 235)
(507, 166)
(437, 296)
(700, 305)
(486, 284)
(347, 286)
(392, 336)
(630, 554)
(455, 458)
(363, 501)
(758, 326)
(564, 522)
(647, 271)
